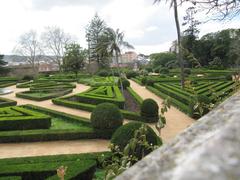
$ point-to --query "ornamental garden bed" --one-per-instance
(96, 95)
(7, 81)
(43, 94)
(215, 91)
(99, 81)
(62, 126)
(4, 102)
(79, 166)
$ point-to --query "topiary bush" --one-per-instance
(103, 73)
(106, 116)
(131, 74)
(28, 77)
(125, 83)
(123, 134)
(149, 111)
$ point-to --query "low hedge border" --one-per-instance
(135, 95)
(27, 94)
(89, 107)
(27, 120)
(6, 84)
(178, 104)
(4, 102)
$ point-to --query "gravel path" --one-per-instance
(176, 122)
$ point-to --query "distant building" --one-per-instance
(47, 67)
(128, 57)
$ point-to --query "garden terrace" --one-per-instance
(79, 166)
(4, 102)
(61, 126)
(183, 99)
(89, 99)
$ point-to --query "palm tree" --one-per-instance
(113, 42)
(173, 3)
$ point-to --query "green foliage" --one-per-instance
(126, 132)
(149, 111)
(27, 77)
(103, 73)
(161, 59)
(131, 74)
(4, 102)
(187, 71)
(79, 166)
(106, 116)
(18, 118)
(125, 83)
(141, 140)
(164, 70)
(74, 57)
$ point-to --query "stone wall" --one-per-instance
(208, 150)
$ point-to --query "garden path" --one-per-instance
(176, 122)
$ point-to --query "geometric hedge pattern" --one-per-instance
(19, 118)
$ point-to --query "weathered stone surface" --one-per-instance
(209, 149)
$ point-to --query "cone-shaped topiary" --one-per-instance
(122, 135)
(106, 116)
(149, 111)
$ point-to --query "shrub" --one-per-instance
(106, 116)
(187, 71)
(103, 73)
(149, 69)
(123, 134)
(125, 83)
(149, 111)
(164, 70)
(131, 74)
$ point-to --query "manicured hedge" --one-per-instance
(46, 94)
(18, 118)
(79, 166)
(138, 98)
(4, 102)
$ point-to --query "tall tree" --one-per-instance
(94, 31)
(54, 40)
(74, 58)
(174, 4)
(29, 47)
(3, 68)
(113, 42)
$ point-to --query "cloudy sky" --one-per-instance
(149, 28)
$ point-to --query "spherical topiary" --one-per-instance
(122, 135)
(125, 83)
(106, 116)
(149, 111)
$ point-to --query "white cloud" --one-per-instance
(148, 27)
